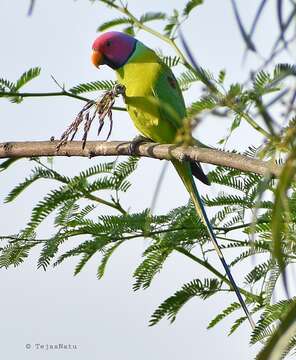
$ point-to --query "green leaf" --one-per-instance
(115, 22)
(7, 163)
(102, 168)
(171, 306)
(152, 264)
(280, 338)
(84, 259)
(236, 324)
(173, 22)
(271, 282)
(93, 86)
(281, 71)
(49, 250)
(235, 123)
(269, 318)
(264, 83)
(110, 3)
(171, 61)
(7, 84)
(150, 16)
(189, 77)
(221, 76)
(227, 199)
(66, 213)
(14, 254)
(16, 191)
(87, 249)
(190, 6)
(234, 90)
(106, 257)
(281, 211)
(105, 183)
(27, 76)
(206, 103)
(261, 80)
(229, 310)
(258, 272)
(48, 204)
(129, 30)
(37, 174)
(126, 168)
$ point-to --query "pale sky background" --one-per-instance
(106, 319)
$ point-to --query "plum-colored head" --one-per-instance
(113, 49)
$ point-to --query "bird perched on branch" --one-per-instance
(155, 104)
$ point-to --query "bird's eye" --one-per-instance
(108, 43)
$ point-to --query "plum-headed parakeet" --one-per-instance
(155, 103)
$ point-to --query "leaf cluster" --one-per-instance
(14, 87)
(74, 208)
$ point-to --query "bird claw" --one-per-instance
(136, 142)
(118, 89)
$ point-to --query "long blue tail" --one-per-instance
(184, 172)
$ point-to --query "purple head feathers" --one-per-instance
(113, 49)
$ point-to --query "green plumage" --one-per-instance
(156, 105)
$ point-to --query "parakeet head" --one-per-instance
(113, 49)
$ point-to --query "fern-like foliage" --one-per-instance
(155, 256)
(7, 163)
(177, 231)
(229, 310)
(170, 307)
(7, 86)
(151, 16)
(258, 272)
(171, 61)
(27, 76)
(114, 22)
(270, 318)
(189, 77)
(130, 28)
(92, 86)
(190, 5)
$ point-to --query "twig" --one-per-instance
(7, 94)
(217, 273)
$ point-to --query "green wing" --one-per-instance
(168, 93)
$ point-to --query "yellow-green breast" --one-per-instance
(153, 98)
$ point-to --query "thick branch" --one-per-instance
(152, 150)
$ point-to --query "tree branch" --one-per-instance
(152, 150)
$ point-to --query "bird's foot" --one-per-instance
(136, 142)
(118, 89)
